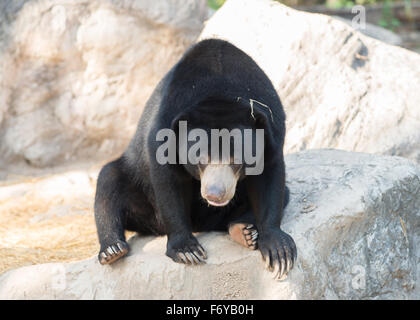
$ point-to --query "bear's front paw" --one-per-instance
(185, 249)
(278, 250)
(113, 252)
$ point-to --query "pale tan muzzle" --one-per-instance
(218, 184)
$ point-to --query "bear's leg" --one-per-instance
(110, 213)
(267, 195)
(286, 197)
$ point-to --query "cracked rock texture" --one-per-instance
(340, 88)
(75, 74)
(355, 218)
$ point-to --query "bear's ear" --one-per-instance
(264, 119)
(262, 115)
(259, 112)
(261, 120)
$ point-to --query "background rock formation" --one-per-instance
(75, 74)
(354, 218)
(340, 88)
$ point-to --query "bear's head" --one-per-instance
(220, 144)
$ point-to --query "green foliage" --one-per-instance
(335, 4)
(350, 3)
(388, 20)
(215, 4)
(408, 9)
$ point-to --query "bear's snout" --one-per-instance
(215, 195)
(218, 184)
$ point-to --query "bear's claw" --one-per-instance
(279, 252)
(113, 252)
(186, 250)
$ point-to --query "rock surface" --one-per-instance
(355, 218)
(75, 74)
(340, 88)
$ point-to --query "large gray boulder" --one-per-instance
(75, 74)
(340, 88)
(355, 218)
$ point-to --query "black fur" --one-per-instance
(136, 193)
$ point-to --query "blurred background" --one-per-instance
(75, 75)
(399, 16)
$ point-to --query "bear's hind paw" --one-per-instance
(245, 234)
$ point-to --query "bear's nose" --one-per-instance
(215, 193)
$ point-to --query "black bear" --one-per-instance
(214, 87)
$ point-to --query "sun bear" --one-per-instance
(173, 180)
